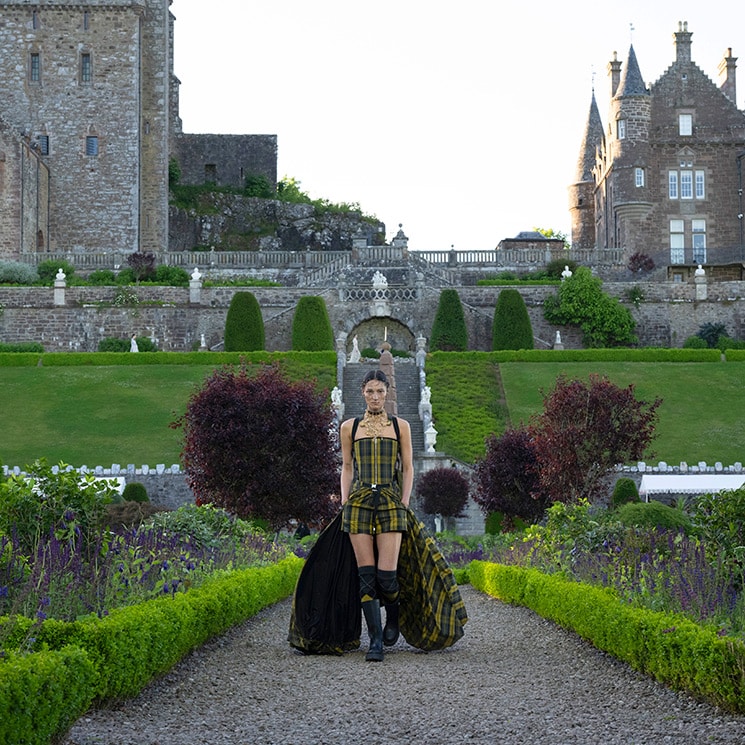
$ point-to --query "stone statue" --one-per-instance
(355, 354)
(196, 275)
(336, 397)
(379, 281)
(426, 394)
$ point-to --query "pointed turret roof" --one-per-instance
(632, 83)
(592, 139)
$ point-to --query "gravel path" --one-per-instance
(513, 679)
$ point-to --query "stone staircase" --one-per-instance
(407, 395)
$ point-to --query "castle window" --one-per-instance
(86, 69)
(700, 180)
(672, 184)
(34, 68)
(621, 129)
(685, 125)
(86, 20)
(35, 19)
(638, 177)
(677, 242)
(686, 185)
(44, 144)
(91, 145)
(698, 234)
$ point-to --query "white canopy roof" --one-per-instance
(690, 483)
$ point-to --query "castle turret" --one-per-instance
(581, 192)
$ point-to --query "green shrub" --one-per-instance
(581, 302)
(449, 333)
(653, 515)
(624, 491)
(695, 342)
(171, 276)
(102, 278)
(720, 520)
(17, 273)
(511, 328)
(493, 523)
(311, 327)
(710, 333)
(244, 325)
(26, 346)
(258, 186)
(134, 491)
(112, 344)
(48, 269)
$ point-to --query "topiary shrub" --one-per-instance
(102, 277)
(244, 325)
(134, 491)
(653, 515)
(311, 327)
(493, 525)
(449, 333)
(623, 492)
(511, 328)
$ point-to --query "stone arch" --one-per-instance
(372, 331)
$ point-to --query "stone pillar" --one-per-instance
(195, 288)
(59, 288)
(341, 358)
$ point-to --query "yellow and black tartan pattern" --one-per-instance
(432, 612)
(374, 504)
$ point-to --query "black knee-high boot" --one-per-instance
(388, 586)
(371, 611)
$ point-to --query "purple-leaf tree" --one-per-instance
(507, 478)
(261, 446)
(585, 430)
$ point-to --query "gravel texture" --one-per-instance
(514, 678)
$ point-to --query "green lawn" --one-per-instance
(98, 415)
(700, 418)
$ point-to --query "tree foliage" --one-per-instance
(449, 333)
(311, 327)
(507, 479)
(511, 328)
(244, 325)
(142, 264)
(604, 321)
(443, 491)
(261, 446)
(584, 431)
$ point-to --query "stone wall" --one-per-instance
(668, 314)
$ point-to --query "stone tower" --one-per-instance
(84, 87)
(664, 178)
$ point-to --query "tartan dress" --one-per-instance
(326, 612)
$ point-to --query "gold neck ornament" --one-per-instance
(375, 423)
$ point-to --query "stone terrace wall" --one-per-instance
(668, 314)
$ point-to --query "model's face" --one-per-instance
(374, 392)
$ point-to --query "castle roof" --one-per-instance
(632, 83)
(591, 140)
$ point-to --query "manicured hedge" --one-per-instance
(118, 655)
(58, 359)
(670, 648)
(644, 354)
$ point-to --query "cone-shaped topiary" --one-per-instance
(512, 328)
(449, 333)
(624, 491)
(311, 327)
(244, 325)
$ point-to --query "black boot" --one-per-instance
(371, 609)
(390, 632)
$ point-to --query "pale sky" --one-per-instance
(462, 121)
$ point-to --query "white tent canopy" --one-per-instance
(698, 483)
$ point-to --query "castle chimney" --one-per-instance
(727, 68)
(614, 71)
(683, 43)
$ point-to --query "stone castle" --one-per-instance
(89, 121)
(664, 179)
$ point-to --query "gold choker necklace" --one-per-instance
(375, 423)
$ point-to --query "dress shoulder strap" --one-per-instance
(394, 420)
